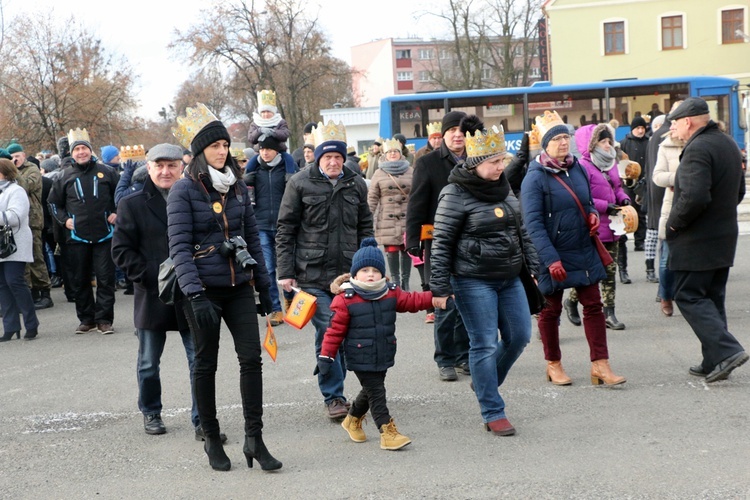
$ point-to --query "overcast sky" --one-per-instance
(141, 30)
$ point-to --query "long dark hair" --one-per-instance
(199, 167)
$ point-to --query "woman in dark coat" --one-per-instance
(568, 258)
(210, 217)
(478, 251)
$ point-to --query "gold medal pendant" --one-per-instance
(217, 207)
(499, 213)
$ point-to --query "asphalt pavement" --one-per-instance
(71, 427)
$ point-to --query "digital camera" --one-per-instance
(237, 248)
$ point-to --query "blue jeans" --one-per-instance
(150, 347)
(268, 244)
(666, 277)
(332, 384)
(486, 306)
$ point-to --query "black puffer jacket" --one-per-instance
(476, 234)
(320, 227)
(197, 214)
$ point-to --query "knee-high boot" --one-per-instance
(622, 263)
(393, 267)
(405, 271)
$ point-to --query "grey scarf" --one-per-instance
(603, 160)
(397, 167)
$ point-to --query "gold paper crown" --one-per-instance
(329, 132)
(548, 120)
(193, 121)
(135, 153)
(238, 154)
(78, 135)
(535, 138)
(434, 128)
(493, 142)
(266, 98)
(391, 144)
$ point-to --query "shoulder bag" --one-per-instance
(7, 242)
(536, 299)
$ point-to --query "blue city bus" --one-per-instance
(578, 104)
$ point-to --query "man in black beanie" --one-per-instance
(299, 154)
(430, 177)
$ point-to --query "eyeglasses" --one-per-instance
(562, 137)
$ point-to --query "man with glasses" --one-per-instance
(702, 234)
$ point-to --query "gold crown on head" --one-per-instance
(192, 123)
(266, 98)
(135, 153)
(237, 154)
(391, 144)
(490, 143)
(434, 128)
(329, 132)
(547, 121)
(78, 135)
(535, 138)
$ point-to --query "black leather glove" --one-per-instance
(624, 202)
(324, 365)
(612, 209)
(266, 304)
(203, 311)
(523, 151)
(414, 252)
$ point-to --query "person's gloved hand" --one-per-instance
(324, 365)
(557, 271)
(624, 202)
(265, 306)
(612, 209)
(593, 224)
(523, 151)
(414, 251)
(203, 311)
(266, 130)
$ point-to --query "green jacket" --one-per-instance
(30, 179)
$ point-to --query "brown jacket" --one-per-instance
(387, 198)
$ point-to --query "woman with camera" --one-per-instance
(210, 217)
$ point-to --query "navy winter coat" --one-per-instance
(557, 227)
(269, 184)
(198, 215)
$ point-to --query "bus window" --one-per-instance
(718, 108)
(580, 107)
(628, 102)
(498, 110)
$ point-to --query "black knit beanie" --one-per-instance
(638, 121)
(212, 132)
(450, 120)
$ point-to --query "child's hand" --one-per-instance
(439, 302)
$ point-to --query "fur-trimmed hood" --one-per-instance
(341, 283)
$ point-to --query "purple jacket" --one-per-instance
(606, 187)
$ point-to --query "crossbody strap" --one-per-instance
(572, 193)
(396, 183)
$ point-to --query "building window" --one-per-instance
(425, 53)
(486, 73)
(534, 72)
(404, 76)
(671, 32)
(445, 54)
(614, 38)
(403, 54)
(424, 76)
(732, 26)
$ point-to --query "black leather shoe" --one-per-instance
(153, 424)
(624, 277)
(463, 368)
(723, 369)
(697, 371)
(447, 373)
(199, 436)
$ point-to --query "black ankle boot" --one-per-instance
(611, 320)
(44, 301)
(571, 311)
(256, 449)
(393, 267)
(9, 336)
(216, 456)
(650, 272)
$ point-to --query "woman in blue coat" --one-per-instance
(568, 258)
(213, 240)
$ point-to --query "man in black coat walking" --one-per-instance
(139, 245)
(702, 234)
(430, 177)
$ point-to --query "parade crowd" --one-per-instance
(496, 240)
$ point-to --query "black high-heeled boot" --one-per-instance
(393, 267)
(256, 449)
(216, 456)
(9, 336)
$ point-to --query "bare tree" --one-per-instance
(59, 77)
(278, 48)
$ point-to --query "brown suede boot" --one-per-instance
(390, 439)
(556, 374)
(601, 373)
(353, 426)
